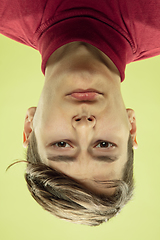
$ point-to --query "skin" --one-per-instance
(86, 129)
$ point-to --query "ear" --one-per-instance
(28, 125)
(133, 128)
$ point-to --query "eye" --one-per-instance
(104, 144)
(61, 145)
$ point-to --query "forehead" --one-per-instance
(95, 185)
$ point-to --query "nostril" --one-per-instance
(78, 119)
(90, 119)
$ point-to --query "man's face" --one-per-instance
(92, 135)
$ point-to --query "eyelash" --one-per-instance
(109, 143)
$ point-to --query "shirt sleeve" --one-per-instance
(20, 19)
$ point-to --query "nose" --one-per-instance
(83, 121)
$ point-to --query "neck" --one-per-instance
(80, 52)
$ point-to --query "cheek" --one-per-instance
(54, 119)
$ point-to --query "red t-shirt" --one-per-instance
(125, 30)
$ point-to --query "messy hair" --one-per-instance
(67, 199)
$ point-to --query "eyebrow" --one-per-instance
(66, 158)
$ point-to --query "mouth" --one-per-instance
(85, 95)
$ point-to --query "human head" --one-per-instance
(82, 125)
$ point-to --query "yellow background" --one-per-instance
(21, 218)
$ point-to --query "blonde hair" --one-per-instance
(67, 199)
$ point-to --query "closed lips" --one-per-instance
(84, 95)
